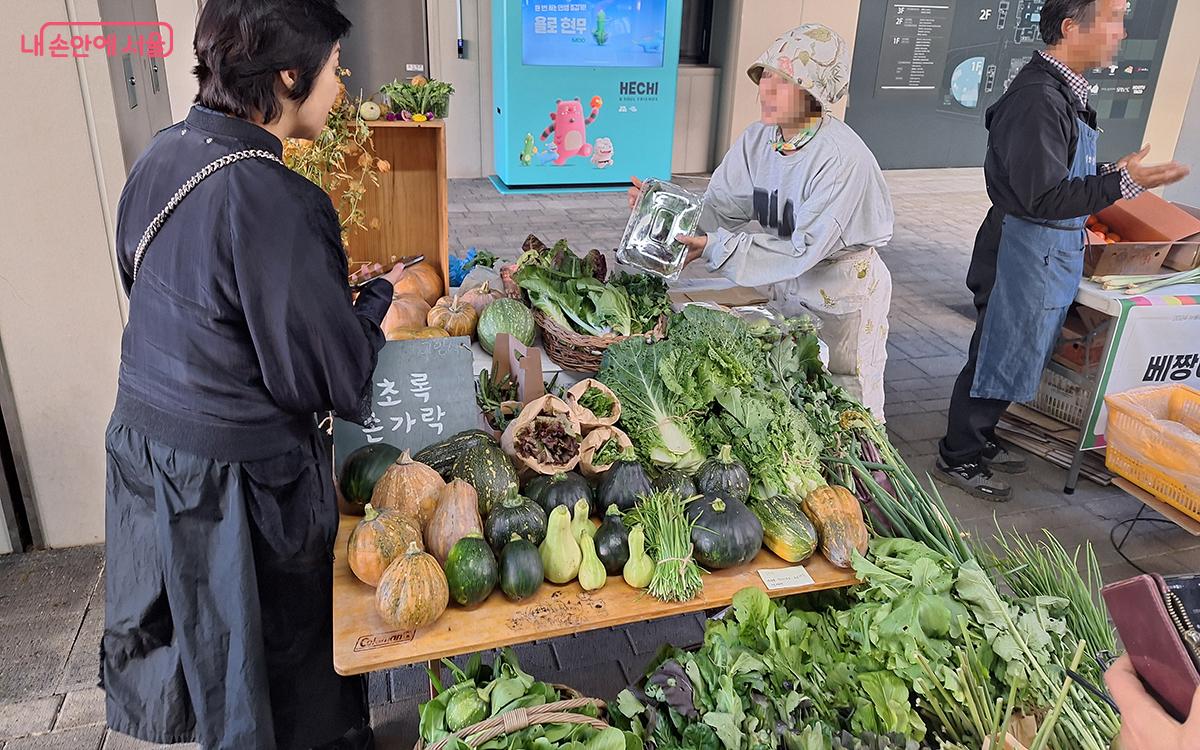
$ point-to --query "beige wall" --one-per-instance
(60, 319)
(181, 84)
(1175, 82)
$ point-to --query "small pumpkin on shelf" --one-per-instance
(409, 334)
(725, 533)
(623, 483)
(406, 311)
(422, 280)
(410, 487)
(413, 591)
(453, 316)
(377, 540)
(481, 296)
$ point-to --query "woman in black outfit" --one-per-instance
(221, 514)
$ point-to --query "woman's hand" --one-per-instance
(634, 192)
(395, 274)
(1144, 724)
(695, 246)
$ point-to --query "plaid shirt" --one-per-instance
(1079, 86)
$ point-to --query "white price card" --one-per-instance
(786, 578)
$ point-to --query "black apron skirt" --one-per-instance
(219, 591)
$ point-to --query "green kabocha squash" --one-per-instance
(535, 486)
(465, 707)
(514, 515)
(580, 521)
(521, 570)
(559, 550)
(639, 568)
(440, 456)
(566, 489)
(490, 471)
(623, 483)
(786, 530)
(724, 475)
(612, 542)
(725, 533)
(504, 316)
(471, 570)
(592, 574)
(362, 470)
(675, 481)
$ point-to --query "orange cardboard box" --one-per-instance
(1153, 232)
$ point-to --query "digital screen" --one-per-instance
(599, 34)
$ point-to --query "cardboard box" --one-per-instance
(1151, 230)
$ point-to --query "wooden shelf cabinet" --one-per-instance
(411, 201)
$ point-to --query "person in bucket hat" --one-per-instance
(799, 205)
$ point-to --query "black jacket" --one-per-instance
(1033, 131)
(240, 325)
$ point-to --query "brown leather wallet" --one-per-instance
(1155, 618)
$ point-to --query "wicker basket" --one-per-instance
(521, 718)
(576, 352)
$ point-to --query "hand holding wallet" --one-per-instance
(1156, 617)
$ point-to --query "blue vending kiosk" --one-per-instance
(584, 91)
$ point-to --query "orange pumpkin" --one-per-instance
(377, 540)
(422, 280)
(454, 316)
(407, 334)
(481, 296)
(410, 487)
(406, 311)
(413, 592)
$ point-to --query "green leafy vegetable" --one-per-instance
(660, 422)
(597, 402)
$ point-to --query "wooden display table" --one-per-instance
(362, 642)
(411, 202)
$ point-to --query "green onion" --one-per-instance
(669, 541)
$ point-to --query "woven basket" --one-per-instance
(575, 352)
(510, 722)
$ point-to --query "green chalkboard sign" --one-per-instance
(422, 391)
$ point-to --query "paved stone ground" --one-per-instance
(51, 603)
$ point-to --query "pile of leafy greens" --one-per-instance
(481, 691)
(572, 291)
(717, 381)
(911, 652)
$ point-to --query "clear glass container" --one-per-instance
(664, 210)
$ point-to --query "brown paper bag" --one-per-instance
(545, 408)
(585, 416)
(592, 443)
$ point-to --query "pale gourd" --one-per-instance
(580, 523)
(560, 551)
(592, 575)
(639, 569)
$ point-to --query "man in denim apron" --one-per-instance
(1044, 182)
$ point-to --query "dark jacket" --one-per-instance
(1032, 134)
(240, 325)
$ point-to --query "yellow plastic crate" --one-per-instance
(1153, 438)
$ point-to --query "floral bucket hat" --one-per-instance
(813, 57)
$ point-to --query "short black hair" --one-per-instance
(1054, 12)
(241, 45)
